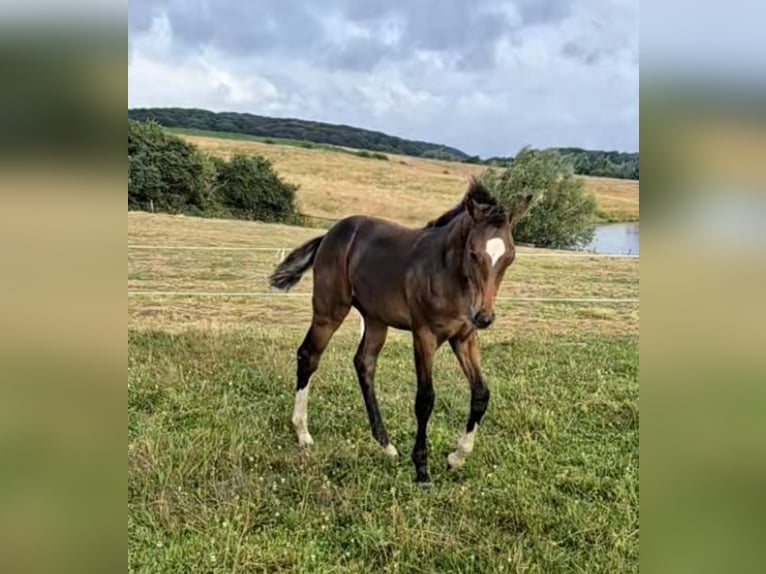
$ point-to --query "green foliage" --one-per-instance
(290, 129)
(563, 212)
(589, 162)
(442, 153)
(602, 163)
(165, 173)
(249, 188)
(371, 155)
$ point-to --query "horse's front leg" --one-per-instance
(466, 350)
(425, 347)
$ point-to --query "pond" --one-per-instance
(615, 238)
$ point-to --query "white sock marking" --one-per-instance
(300, 417)
(391, 450)
(456, 460)
(361, 327)
(495, 248)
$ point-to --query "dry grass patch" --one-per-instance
(617, 198)
(184, 272)
(405, 189)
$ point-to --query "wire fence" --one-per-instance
(281, 252)
(286, 250)
(605, 300)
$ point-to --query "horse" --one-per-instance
(438, 282)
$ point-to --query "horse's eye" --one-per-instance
(475, 257)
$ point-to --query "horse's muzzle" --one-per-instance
(483, 319)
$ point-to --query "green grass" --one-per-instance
(216, 482)
(604, 217)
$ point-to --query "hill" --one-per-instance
(292, 129)
(333, 184)
(599, 163)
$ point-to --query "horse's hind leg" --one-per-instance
(365, 360)
(316, 340)
(331, 302)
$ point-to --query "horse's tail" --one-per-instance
(290, 271)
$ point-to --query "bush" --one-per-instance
(247, 187)
(441, 153)
(371, 155)
(563, 212)
(165, 173)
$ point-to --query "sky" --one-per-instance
(485, 76)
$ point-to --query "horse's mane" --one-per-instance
(476, 192)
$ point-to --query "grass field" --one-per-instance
(335, 183)
(216, 482)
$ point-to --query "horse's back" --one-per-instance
(369, 257)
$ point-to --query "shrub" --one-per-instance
(563, 213)
(165, 173)
(440, 153)
(371, 155)
(248, 187)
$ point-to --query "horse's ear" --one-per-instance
(471, 207)
(520, 209)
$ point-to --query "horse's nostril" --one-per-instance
(483, 320)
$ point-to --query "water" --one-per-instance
(615, 238)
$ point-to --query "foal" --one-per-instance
(438, 282)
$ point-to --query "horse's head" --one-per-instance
(489, 251)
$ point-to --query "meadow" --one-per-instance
(216, 482)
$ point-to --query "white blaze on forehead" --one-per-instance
(495, 248)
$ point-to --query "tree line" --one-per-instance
(287, 128)
(622, 165)
(586, 162)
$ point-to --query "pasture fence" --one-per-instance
(281, 252)
(284, 250)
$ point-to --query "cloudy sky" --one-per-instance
(485, 76)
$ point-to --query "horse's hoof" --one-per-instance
(391, 451)
(422, 479)
(305, 440)
(425, 485)
(455, 462)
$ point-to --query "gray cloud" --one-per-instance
(486, 76)
(536, 12)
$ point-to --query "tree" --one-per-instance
(249, 188)
(165, 173)
(563, 212)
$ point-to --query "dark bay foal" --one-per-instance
(438, 282)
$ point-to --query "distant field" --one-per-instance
(216, 482)
(277, 141)
(238, 271)
(334, 183)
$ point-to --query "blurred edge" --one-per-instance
(703, 291)
(62, 301)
